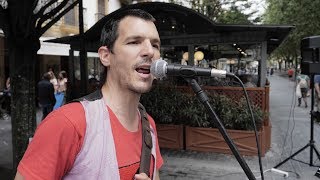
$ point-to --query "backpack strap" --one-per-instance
(90, 97)
(146, 142)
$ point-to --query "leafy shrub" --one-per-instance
(169, 105)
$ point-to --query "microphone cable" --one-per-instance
(253, 121)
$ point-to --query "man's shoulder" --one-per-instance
(43, 82)
(72, 110)
(303, 76)
(75, 114)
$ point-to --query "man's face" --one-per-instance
(137, 45)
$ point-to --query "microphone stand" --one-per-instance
(202, 96)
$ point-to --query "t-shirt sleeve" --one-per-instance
(52, 151)
(159, 160)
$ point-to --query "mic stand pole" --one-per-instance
(205, 101)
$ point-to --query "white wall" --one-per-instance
(113, 5)
(91, 10)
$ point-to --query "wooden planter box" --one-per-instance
(210, 140)
(170, 136)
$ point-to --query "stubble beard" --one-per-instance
(140, 89)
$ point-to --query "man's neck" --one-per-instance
(124, 105)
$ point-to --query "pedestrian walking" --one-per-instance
(107, 134)
(303, 82)
(271, 71)
(290, 73)
(46, 97)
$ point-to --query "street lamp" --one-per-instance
(198, 55)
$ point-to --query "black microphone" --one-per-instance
(160, 69)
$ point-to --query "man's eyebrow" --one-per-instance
(156, 40)
(133, 37)
(153, 40)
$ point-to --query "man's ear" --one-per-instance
(104, 54)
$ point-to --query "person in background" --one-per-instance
(62, 81)
(8, 84)
(5, 97)
(304, 82)
(61, 90)
(249, 82)
(290, 72)
(100, 137)
(53, 81)
(46, 97)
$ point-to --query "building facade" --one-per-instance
(56, 56)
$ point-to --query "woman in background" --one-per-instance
(53, 81)
(61, 90)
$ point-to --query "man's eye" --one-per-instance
(156, 46)
(133, 42)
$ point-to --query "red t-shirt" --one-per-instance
(59, 138)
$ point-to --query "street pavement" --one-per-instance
(290, 133)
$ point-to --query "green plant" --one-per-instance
(169, 105)
(235, 114)
(165, 104)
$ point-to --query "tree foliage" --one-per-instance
(232, 13)
(233, 16)
(303, 14)
(210, 8)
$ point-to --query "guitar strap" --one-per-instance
(146, 142)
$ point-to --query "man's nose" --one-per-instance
(148, 49)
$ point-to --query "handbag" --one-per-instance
(298, 91)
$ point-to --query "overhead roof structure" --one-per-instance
(178, 25)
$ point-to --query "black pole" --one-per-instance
(82, 53)
(71, 76)
(311, 119)
(205, 101)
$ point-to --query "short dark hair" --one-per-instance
(109, 33)
(46, 76)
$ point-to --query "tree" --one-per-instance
(231, 13)
(238, 12)
(23, 23)
(233, 16)
(210, 8)
(304, 14)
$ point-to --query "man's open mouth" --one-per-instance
(143, 70)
